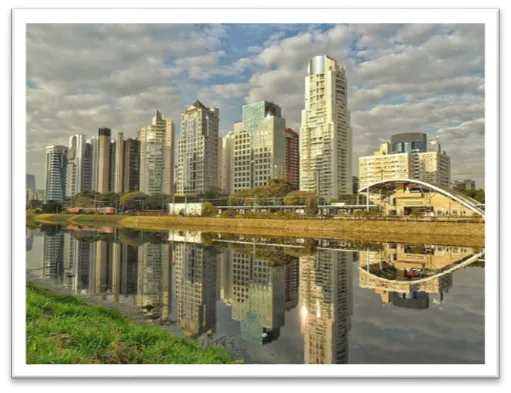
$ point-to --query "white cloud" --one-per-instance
(88, 76)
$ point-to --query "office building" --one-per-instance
(75, 163)
(131, 165)
(227, 163)
(198, 150)
(112, 154)
(119, 163)
(40, 195)
(408, 142)
(325, 133)
(87, 167)
(104, 160)
(260, 142)
(355, 184)
(430, 166)
(55, 173)
(157, 155)
(30, 188)
(467, 184)
(219, 163)
(292, 157)
(93, 153)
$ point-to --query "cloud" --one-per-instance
(401, 78)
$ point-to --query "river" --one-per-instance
(280, 300)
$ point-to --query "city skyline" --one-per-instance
(432, 73)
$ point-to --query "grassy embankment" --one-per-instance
(63, 329)
(459, 233)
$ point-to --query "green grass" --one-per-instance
(63, 329)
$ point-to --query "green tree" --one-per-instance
(208, 210)
(131, 200)
(34, 204)
(52, 206)
(215, 195)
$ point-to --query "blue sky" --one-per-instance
(401, 78)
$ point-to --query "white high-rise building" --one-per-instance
(432, 167)
(55, 173)
(198, 150)
(157, 155)
(325, 133)
(93, 156)
(75, 165)
(227, 169)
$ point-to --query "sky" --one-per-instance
(401, 78)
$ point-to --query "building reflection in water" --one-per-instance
(258, 282)
(410, 276)
(29, 236)
(196, 280)
(326, 305)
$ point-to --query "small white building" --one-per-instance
(187, 209)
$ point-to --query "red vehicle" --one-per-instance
(90, 210)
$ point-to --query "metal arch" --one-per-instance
(460, 265)
(440, 190)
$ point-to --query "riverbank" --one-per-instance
(64, 329)
(457, 233)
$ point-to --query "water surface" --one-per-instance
(281, 300)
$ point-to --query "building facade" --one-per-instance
(325, 133)
(55, 173)
(75, 165)
(119, 163)
(112, 154)
(260, 143)
(157, 155)
(104, 160)
(92, 153)
(433, 167)
(30, 188)
(408, 142)
(198, 150)
(131, 165)
(292, 157)
(226, 176)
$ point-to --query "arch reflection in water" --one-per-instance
(270, 294)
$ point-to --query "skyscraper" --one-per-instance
(30, 187)
(119, 163)
(157, 155)
(104, 160)
(198, 149)
(292, 157)
(75, 165)
(55, 173)
(131, 165)
(227, 163)
(87, 167)
(112, 154)
(325, 133)
(94, 162)
(259, 146)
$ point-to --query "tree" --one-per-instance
(131, 200)
(208, 210)
(303, 198)
(215, 195)
(52, 206)
(34, 204)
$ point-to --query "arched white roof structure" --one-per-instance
(456, 266)
(389, 184)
